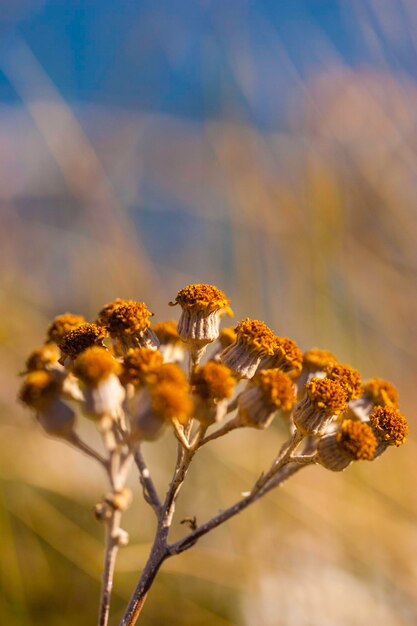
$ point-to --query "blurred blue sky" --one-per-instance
(199, 58)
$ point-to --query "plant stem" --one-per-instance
(110, 553)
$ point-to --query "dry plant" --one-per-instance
(127, 376)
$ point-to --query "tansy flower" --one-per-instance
(286, 356)
(79, 339)
(62, 325)
(390, 427)
(324, 399)
(268, 391)
(199, 322)
(98, 371)
(317, 363)
(128, 324)
(376, 392)
(40, 391)
(139, 364)
(212, 385)
(349, 378)
(352, 441)
(171, 346)
(43, 358)
(254, 340)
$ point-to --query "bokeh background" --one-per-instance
(269, 148)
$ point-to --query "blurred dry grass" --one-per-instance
(312, 229)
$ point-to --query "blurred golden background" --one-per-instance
(271, 151)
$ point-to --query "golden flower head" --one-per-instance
(349, 379)
(319, 360)
(213, 381)
(287, 356)
(257, 336)
(326, 395)
(42, 357)
(201, 298)
(389, 425)
(107, 310)
(95, 365)
(38, 389)
(128, 319)
(357, 439)
(167, 332)
(382, 392)
(81, 338)
(168, 373)
(227, 336)
(139, 364)
(277, 388)
(169, 402)
(62, 325)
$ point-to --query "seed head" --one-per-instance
(257, 336)
(326, 395)
(62, 325)
(287, 356)
(389, 425)
(129, 319)
(107, 310)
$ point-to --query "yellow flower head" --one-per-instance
(40, 358)
(213, 381)
(389, 425)
(287, 356)
(62, 325)
(227, 336)
(168, 373)
(328, 396)
(319, 360)
(277, 388)
(169, 402)
(81, 338)
(38, 389)
(201, 298)
(128, 319)
(349, 379)
(167, 332)
(381, 392)
(107, 310)
(357, 439)
(95, 365)
(257, 336)
(139, 364)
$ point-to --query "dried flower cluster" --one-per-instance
(130, 378)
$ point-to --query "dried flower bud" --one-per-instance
(267, 392)
(254, 340)
(324, 399)
(62, 325)
(316, 364)
(119, 500)
(83, 337)
(171, 346)
(169, 402)
(352, 441)
(139, 364)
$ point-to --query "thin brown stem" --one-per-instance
(110, 554)
(81, 445)
(149, 490)
(226, 428)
